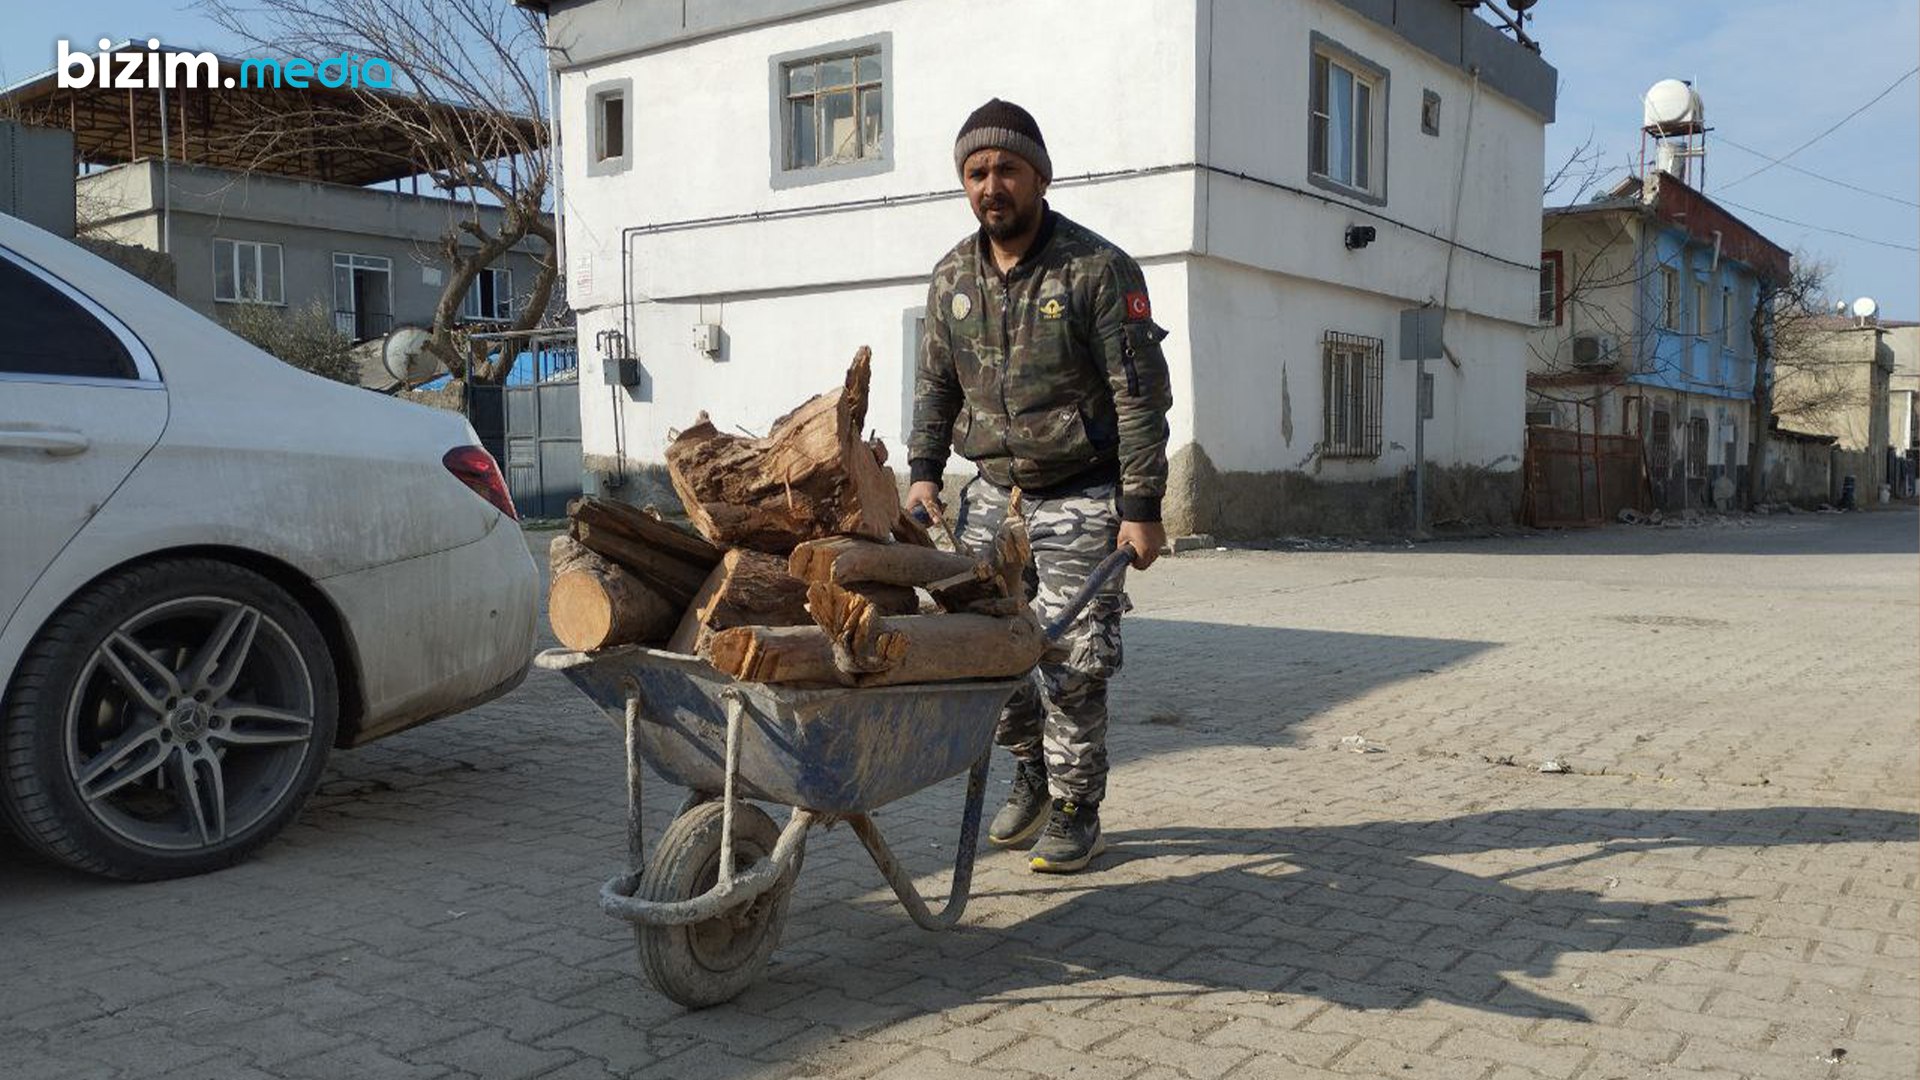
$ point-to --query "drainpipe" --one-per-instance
(166, 181)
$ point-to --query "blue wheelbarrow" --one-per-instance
(708, 906)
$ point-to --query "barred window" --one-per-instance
(1350, 389)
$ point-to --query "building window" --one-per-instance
(490, 297)
(247, 272)
(1429, 113)
(610, 123)
(1669, 298)
(1697, 448)
(362, 295)
(1552, 287)
(1702, 317)
(1350, 389)
(1660, 443)
(831, 107)
(1540, 417)
(1346, 138)
(1726, 318)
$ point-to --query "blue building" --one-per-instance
(1650, 306)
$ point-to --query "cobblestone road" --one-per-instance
(1722, 886)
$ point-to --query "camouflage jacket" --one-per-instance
(1048, 374)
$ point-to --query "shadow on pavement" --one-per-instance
(1362, 916)
(1283, 677)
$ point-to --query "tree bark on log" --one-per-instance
(674, 580)
(593, 602)
(775, 654)
(870, 649)
(844, 560)
(811, 476)
(638, 524)
(747, 588)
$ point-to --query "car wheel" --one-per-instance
(167, 721)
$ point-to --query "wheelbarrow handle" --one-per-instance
(1096, 581)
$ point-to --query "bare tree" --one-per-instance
(1792, 373)
(471, 74)
(1576, 177)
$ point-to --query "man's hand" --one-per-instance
(926, 493)
(1147, 538)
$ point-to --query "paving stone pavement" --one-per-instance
(1723, 884)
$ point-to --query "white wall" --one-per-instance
(1257, 378)
(1260, 56)
(1111, 90)
(1128, 85)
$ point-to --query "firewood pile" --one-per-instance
(804, 569)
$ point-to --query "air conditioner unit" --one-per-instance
(1594, 350)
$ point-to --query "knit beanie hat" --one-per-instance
(1002, 125)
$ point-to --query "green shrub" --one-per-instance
(304, 337)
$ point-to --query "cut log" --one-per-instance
(874, 650)
(813, 475)
(775, 654)
(593, 603)
(844, 560)
(645, 527)
(673, 579)
(887, 599)
(747, 588)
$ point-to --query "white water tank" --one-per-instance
(1672, 107)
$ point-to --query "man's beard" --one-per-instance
(1012, 225)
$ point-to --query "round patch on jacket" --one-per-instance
(962, 305)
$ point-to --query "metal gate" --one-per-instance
(530, 421)
(1573, 478)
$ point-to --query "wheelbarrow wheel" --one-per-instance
(709, 962)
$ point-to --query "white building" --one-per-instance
(782, 170)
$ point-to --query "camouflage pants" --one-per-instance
(1063, 713)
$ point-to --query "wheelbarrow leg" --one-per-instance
(636, 840)
(896, 876)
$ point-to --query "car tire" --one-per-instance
(167, 721)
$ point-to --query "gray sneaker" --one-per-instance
(1071, 840)
(1026, 808)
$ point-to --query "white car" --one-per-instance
(214, 568)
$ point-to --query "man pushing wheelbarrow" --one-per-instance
(783, 656)
(1041, 364)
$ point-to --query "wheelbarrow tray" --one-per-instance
(835, 750)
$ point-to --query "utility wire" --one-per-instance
(1819, 176)
(1836, 126)
(1815, 228)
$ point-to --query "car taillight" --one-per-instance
(475, 468)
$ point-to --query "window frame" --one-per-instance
(1378, 80)
(598, 162)
(780, 119)
(146, 374)
(1701, 328)
(473, 294)
(351, 261)
(1701, 427)
(1558, 261)
(259, 268)
(1726, 318)
(1342, 356)
(1669, 298)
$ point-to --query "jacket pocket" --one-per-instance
(1058, 434)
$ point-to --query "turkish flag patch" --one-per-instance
(1138, 310)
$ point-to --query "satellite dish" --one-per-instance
(1672, 107)
(1839, 307)
(404, 354)
(1865, 308)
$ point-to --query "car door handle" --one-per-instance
(55, 442)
